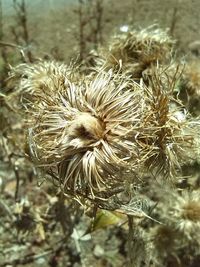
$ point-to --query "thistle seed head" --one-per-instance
(85, 134)
(190, 86)
(187, 210)
(191, 78)
(92, 133)
(134, 51)
(182, 210)
(191, 211)
(169, 137)
(30, 81)
(164, 240)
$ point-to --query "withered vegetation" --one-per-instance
(99, 155)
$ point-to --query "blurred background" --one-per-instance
(54, 26)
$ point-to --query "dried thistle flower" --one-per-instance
(180, 210)
(84, 133)
(169, 137)
(168, 247)
(32, 80)
(191, 77)
(185, 211)
(164, 238)
(190, 91)
(135, 51)
(163, 244)
(178, 235)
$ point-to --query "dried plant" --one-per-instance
(169, 137)
(163, 242)
(97, 132)
(190, 84)
(191, 77)
(21, 32)
(31, 81)
(85, 132)
(87, 129)
(178, 236)
(135, 51)
(186, 213)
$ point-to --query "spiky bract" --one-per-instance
(169, 137)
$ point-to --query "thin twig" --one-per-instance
(10, 45)
(5, 207)
(174, 21)
(22, 19)
(16, 171)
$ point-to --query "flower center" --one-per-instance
(86, 127)
(192, 211)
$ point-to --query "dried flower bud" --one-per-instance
(33, 80)
(135, 51)
(182, 212)
(191, 77)
(186, 212)
(163, 238)
(190, 86)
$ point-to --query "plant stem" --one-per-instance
(130, 242)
